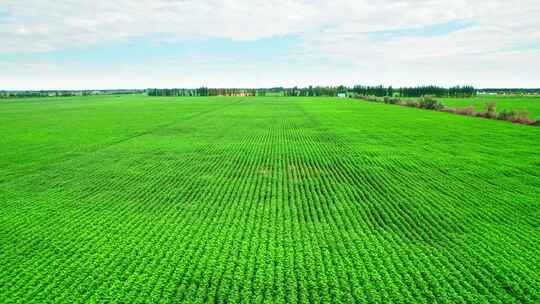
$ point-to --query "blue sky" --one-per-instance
(142, 50)
(168, 43)
(432, 30)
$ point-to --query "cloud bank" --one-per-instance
(485, 43)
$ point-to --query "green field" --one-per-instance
(135, 199)
(509, 103)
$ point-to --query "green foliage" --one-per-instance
(136, 199)
(507, 115)
(328, 91)
(430, 103)
(381, 91)
(392, 100)
(457, 91)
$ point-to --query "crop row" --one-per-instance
(267, 201)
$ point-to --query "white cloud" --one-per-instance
(41, 25)
(330, 32)
(35, 25)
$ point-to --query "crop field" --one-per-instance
(509, 103)
(135, 199)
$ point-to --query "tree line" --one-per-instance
(510, 91)
(380, 91)
(362, 90)
(277, 91)
(419, 91)
(64, 93)
(330, 91)
(28, 94)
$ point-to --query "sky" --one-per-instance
(80, 44)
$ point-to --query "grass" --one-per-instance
(509, 103)
(262, 199)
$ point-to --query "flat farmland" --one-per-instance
(135, 199)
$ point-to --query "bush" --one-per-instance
(430, 103)
(506, 115)
(390, 100)
(373, 99)
(412, 103)
(491, 110)
(468, 110)
(395, 101)
(522, 117)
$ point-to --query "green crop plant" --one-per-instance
(137, 199)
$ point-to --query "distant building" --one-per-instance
(342, 95)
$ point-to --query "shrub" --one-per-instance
(412, 103)
(360, 96)
(374, 99)
(468, 110)
(491, 110)
(522, 117)
(506, 115)
(395, 101)
(391, 100)
(430, 103)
